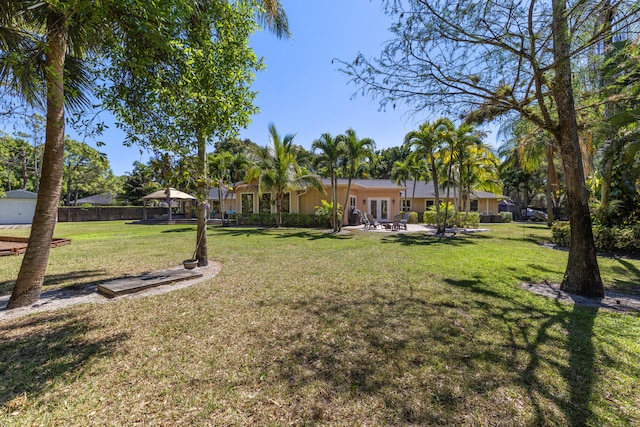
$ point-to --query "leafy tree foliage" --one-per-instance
(140, 182)
(86, 172)
(17, 164)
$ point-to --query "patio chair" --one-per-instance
(364, 220)
(396, 222)
(404, 221)
(372, 221)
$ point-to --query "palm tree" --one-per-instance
(401, 173)
(39, 29)
(419, 171)
(331, 150)
(466, 137)
(355, 150)
(427, 141)
(280, 172)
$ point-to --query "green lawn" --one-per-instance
(302, 327)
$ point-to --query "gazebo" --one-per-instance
(169, 195)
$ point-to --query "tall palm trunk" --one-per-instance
(346, 201)
(582, 275)
(34, 264)
(436, 190)
(334, 197)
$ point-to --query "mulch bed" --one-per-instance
(18, 245)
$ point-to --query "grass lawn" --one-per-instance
(302, 327)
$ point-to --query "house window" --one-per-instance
(428, 204)
(247, 203)
(352, 203)
(406, 205)
(473, 206)
(286, 208)
(265, 203)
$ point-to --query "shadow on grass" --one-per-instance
(36, 352)
(315, 235)
(283, 233)
(181, 230)
(428, 240)
(80, 278)
(480, 357)
(578, 373)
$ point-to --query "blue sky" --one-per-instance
(301, 90)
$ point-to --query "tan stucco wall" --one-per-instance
(306, 201)
(485, 206)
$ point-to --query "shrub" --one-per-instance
(431, 218)
(288, 220)
(460, 219)
(324, 212)
(506, 216)
(560, 234)
(467, 220)
(606, 239)
(413, 218)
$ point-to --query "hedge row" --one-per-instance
(288, 220)
(607, 239)
(461, 219)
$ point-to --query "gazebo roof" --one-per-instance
(173, 194)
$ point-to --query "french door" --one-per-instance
(379, 208)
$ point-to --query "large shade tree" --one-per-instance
(188, 92)
(490, 58)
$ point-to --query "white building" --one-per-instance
(17, 207)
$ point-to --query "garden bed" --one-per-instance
(10, 245)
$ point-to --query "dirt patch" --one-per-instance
(65, 297)
(614, 301)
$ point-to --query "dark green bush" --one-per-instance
(607, 239)
(470, 220)
(506, 216)
(461, 219)
(288, 220)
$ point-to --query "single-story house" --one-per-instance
(382, 198)
(17, 207)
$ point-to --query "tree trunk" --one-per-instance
(552, 184)
(436, 191)
(68, 192)
(201, 210)
(582, 275)
(25, 174)
(34, 264)
(346, 202)
(334, 196)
